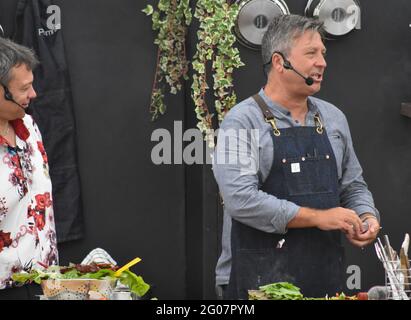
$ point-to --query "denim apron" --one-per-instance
(304, 171)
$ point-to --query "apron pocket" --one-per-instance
(338, 147)
(311, 176)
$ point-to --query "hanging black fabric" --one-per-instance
(53, 112)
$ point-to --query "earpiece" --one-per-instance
(287, 65)
(8, 96)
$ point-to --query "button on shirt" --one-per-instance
(27, 231)
(240, 187)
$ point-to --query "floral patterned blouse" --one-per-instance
(27, 231)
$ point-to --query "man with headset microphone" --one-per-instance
(9, 97)
(27, 230)
(283, 220)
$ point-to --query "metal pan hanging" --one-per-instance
(339, 16)
(253, 19)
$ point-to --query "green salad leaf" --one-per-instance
(287, 291)
(128, 278)
(134, 282)
(282, 291)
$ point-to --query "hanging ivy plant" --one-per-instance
(171, 21)
(215, 50)
(215, 44)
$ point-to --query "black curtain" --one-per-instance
(53, 112)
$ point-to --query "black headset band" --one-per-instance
(286, 64)
(7, 94)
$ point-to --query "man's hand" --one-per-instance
(342, 219)
(339, 218)
(363, 239)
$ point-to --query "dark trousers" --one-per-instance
(220, 291)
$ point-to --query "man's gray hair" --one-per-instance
(14, 55)
(281, 33)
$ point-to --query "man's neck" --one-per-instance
(3, 123)
(297, 105)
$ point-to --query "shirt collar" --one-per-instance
(22, 133)
(282, 112)
(20, 128)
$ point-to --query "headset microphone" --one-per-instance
(308, 80)
(287, 65)
(9, 97)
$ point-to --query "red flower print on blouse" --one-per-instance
(40, 221)
(20, 129)
(40, 146)
(15, 161)
(38, 213)
(5, 240)
(43, 201)
(38, 216)
(18, 173)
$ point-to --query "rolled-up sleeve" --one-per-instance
(238, 179)
(354, 193)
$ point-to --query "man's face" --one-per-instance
(21, 87)
(307, 57)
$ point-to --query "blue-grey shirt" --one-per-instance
(240, 186)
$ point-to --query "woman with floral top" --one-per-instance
(27, 231)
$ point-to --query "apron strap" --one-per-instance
(268, 116)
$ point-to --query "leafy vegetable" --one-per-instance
(25, 277)
(282, 291)
(287, 291)
(134, 282)
(128, 278)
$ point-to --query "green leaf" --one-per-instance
(163, 5)
(134, 282)
(282, 291)
(101, 274)
(72, 274)
(208, 40)
(148, 10)
(24, 277)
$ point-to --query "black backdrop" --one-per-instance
(169, 215)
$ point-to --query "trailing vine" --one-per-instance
(215, 44)
(215, 50)
(171, 21)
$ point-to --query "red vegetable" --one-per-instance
(362, 296)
